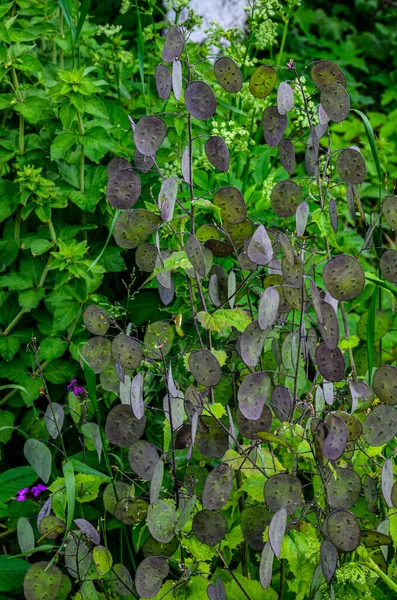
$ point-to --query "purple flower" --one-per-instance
(75, 388)
(21, 494)
(37, 489)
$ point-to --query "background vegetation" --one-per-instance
(71, 75)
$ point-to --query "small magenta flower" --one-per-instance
(37, 489)
(76, 388)
(290, 64)
(21, 494)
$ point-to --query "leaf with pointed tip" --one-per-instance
(25, 535)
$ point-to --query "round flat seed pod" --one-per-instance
(123, 490)
(195, 254)
(335, 442)
(286, 153)
(126, 351)
(173, 46)
(143, 458)
(329, 559)
(88, 530)
(285, 198)
(382, 325)
(330, 363)
(161, 520)
(274, 126)
(329, 328)
(149, 576)
(351, 166)
(362, 396)
(319, 431)
(371, 494)
(372, 539)
(131, 511)
(122, 427)
(177, 78)
(324, 72)
(301, 218)
(262, 81)
(293, 297)
(205, 368)
(260, 249)
(117, 165)
(78, 558)
(388, 265)
(200, 100)
(97, 353)
(109, 379)
(335, 101)
(123, 189)
(133, 227)
(51, 527)
(163, 81)
(219, 248)
(212, 439)
(268, 308)
(389, 210)
(285, 98)
(209, 527)
(281, 402)
(231, 202)
(217, 287)
(253, 521)
(385, 384)
(218, 487)
(166, 295)
(142, 162)
(333, 214)
(159, 334)
(249, 428)
(344, 277)
(167, 198)
(228, 74)
(354, 427)
(343, 488)
(145, 257)
(293, 274)
(149, 134)
(42, 582)
(252, 394)
(343, 529)
(217, 153)
(252, 341)
(96, 320)
(380, 426)
(122, 582)
(239, 231)
(283, 489)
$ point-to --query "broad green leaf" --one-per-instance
(224, 319)
(102, 559)
(62, 144)
(7, 419)
(68, 472)
(9, 346)
(12, 572)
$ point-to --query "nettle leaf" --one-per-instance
(224, 319)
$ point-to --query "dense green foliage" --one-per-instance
(254, 443)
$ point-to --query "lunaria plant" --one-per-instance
(276, 422)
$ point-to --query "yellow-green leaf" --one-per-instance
(224, 319)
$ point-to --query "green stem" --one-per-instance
(52, 232)
(283, 39)
(21, 119)
(82, 156)
(374, 567)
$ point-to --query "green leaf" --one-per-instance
(31, 109)
(7, 419)
(30, 299)
(224, 319)
(59, 371)
(5, 100)
(67, 114)
(96, 142)
(80, 467)
(102, 559)
(8, 252)
(88, 591)
(177, 260)
(65, 312)
(98, 258)
(66, 6)
(274, 439)
(15, 479)
(84, 9)
(9, 346)
(68, 472)
(87, 486)
(12, 572)
(39, 457)
(28, 63)
(61, 145)
(4, 8)
(40, 246)
(52, 347)
(94, 106)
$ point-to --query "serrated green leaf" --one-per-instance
(224, 319)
